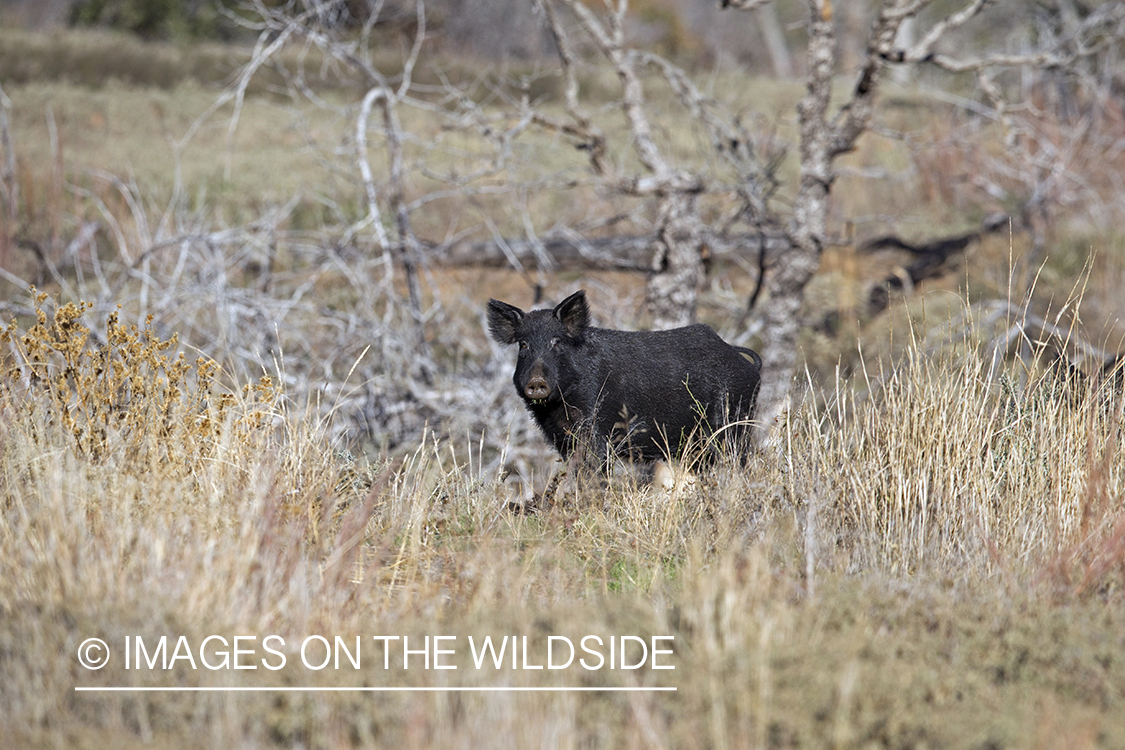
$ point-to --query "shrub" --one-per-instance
(128, 396)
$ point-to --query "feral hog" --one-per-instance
(640, 394)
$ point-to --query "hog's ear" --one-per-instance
(503, 320)
(574, 314)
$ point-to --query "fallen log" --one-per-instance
(930, 259)
(572, 251)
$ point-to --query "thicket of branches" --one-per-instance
(1053, 97)
(445, 166)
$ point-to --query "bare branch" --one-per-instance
(592, 137)
(1105, 22)
(611, 43)
(262, 53)
(374, 216)
(855, 116)
(924, 47)
(412, 58)
(744, 4)
(567, 249)
(756, 181)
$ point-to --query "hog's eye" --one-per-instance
(523, 345)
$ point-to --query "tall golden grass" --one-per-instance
(931, 555)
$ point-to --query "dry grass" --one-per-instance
(931, 555)
(95, 57)
(937, 562)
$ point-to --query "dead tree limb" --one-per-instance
(827, 131)
(677, 266)
(574, 252)
(276, 28)
(930, 259)
(823, 137)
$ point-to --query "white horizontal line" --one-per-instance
(372, 689)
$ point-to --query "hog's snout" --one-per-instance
(536, 388)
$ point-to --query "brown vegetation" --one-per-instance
(221, 420)
(938, 560)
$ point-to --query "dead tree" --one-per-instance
(824, 135)
(826, 132)
(668, 195)
(674, 284)
(317, 24)
(744, 175)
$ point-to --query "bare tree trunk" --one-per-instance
(786, 280)
(674, 287)
(823, 138)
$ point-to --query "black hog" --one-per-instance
(640, 394)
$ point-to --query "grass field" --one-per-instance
(931, 555)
